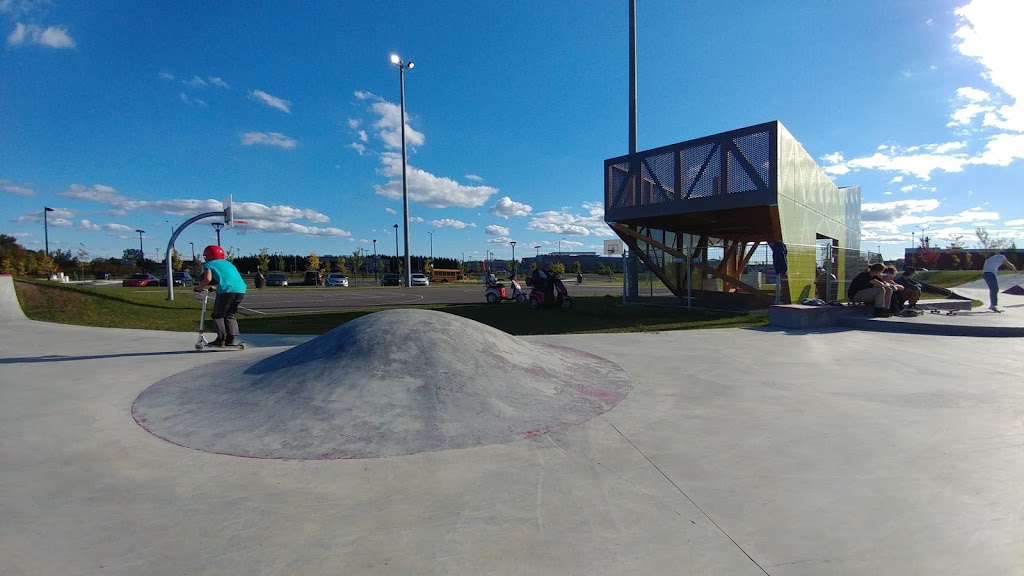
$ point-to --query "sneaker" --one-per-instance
(880, 313)
(230, 342)
(993, 308)
(219, 343)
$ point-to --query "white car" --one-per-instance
(337, 279)
(419, 280)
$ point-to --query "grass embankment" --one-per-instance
(147, 309)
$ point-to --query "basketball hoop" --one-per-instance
(239, 226)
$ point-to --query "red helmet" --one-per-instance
(213, 253)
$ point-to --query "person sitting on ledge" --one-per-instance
(911, 292)
(889, 278)
(869, 288)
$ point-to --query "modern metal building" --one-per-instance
(701, 209)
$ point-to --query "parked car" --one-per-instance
(389, 279)
(313, 278)
(337, 279)
(275, 279)
(180, 279)
(141, 280)
(419, 279)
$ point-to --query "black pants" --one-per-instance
(224, 309)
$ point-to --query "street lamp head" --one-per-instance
(395, 59)
(47, 209)
(410, 65)
(141, 231)
(512, 242)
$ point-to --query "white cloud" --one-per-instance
(16, 189)
(185, 98)
(391, 211)
(1014, 222)
(361, 95)
(473, 177)
(972, 94)
(495, 230)
(87, 225)
(896, 180)
(219, 82)
(965, 114)
(275, 218)
(894, 211)
(52, 36)
(499, 240)
(268, 139)
(389, 126)
(277, 227)
(506, 207)
(117, 227)
(415, 219)
(56, 217)
(166, 76)
(195, 82)
(989, 33)
(450, 223)
(354, 123)
(833, 158)
(272, 101)
(362, 136)
(358, 148)
(565, 222)
(425, 188)
(1001, 150)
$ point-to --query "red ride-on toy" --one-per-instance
(557, 296)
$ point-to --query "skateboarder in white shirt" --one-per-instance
(992, 265)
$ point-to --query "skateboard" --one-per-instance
(947, 312)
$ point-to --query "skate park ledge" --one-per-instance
(802, 317)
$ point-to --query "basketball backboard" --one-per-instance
(612, 247)
(229, 213)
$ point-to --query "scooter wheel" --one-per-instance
(241, 346)
(566, 303)
(534, 303)
(199, 346)
(521, 298)
(492, 298)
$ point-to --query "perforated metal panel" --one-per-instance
(671, 178)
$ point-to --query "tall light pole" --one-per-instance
(217, 226)
(515, 265)
(431, 244)
(193, 245)
(374, 260)
(141, 251)
(46, 228)
(396, 248)
(560, 248)
(402, 66)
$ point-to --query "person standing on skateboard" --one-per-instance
(230, 292)
(991, 267)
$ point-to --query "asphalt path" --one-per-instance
(293, 299)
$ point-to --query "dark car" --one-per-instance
(389, 280)
(141, 280)
(313, 278)
(277, 279)
(180, 279)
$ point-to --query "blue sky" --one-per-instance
(138, 115)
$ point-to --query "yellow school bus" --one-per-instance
(443, 276)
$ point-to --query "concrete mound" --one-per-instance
(1015, 290)
(10, 309)
(386, 384)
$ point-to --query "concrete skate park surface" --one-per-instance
(735, 452)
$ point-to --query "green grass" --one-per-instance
(148, 309)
